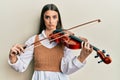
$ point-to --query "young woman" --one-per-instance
(52, 61)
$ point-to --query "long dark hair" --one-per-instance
(42, 23)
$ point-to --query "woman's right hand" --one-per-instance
(17, 49)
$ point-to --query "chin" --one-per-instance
(52, 28)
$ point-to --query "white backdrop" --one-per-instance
(19, 19)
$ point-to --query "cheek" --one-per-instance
(46, 21)
(56, 21)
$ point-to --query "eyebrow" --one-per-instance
(48, 15)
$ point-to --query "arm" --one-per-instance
(19, 59)
(71, 63)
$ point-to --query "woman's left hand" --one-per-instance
(86, 50)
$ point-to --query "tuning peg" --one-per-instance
(96, 56)
(103, 51)
(107, 55)
(100, 61)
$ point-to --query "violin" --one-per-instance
(74, 42)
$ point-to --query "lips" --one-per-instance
(51, 25)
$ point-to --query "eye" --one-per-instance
(55, 16)
(46, 17)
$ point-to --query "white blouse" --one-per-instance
(69, 63)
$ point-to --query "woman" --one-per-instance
(52, 61)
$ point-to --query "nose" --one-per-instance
(50, 20)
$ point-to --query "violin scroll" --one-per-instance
(104, 58)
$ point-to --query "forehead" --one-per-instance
(51, 12)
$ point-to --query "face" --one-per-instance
(51, 19)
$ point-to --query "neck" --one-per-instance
(48, 32)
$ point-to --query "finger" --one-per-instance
(12, 54)
(85, 45)
(91, 48)
(82, 44)
(13, 51)
(20, 48)
(17, 51)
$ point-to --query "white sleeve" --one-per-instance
(70, 62)
(25, 58)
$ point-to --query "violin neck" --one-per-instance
(80, 40)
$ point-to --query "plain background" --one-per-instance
(19, 20)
